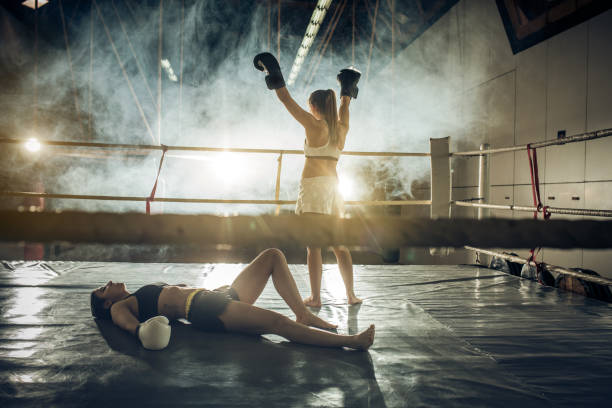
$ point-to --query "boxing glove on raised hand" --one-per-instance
(348, 78)
(154, 334)
(267, 62)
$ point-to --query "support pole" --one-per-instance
(91, 47)
(393, 63)
(36, 66)
(278, 177)
(124, 72)
(74, 88)
(278, 30)
(372, 40)
(159, 76)
(441, 190)
(483, 196)
(180, 107)
(353, 43)
(129, 43)
(483, 182)
(269, 25)
(440, 178)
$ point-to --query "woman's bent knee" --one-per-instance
(276, 256)
(272, 255)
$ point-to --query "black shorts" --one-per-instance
(207, 305)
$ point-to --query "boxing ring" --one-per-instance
(461, 335)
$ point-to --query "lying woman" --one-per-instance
(146, 312)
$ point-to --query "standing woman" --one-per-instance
(326, 131)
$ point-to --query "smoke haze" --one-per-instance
(217, 99)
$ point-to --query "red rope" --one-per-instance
(537, 202)
(535, 181)
(152, 196)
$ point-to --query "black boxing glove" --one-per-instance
(267, 62)
(348, 78)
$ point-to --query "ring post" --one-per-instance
(483, 182)
(278, 178)
(440, 178)
(483, 194)
(441, 190)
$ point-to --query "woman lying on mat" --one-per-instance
(146, 312)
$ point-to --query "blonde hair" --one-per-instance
(325, 102)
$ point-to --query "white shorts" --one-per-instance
(320, 195)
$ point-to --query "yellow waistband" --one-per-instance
(188, 302)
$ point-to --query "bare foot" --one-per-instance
(353, 300)
(364, 340)
(310, 319)
(312, 302)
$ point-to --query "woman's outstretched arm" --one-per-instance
(302, 116)
(123, 317)
(343, 120)
(154, 334)
(274, 80)
(348, 79)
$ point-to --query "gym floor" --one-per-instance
(445, 336)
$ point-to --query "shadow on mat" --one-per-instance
(236, 363)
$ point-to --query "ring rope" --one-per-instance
(595, 279)
(581, 137)
(136, 147)
(551, 210)
(194, 200)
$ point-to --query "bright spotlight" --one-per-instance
(346, 187)
(229, 167)
(33, 145)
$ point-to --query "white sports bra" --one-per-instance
(326, 151)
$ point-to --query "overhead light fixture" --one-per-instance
(168, 69)
(32, 3)
(311, 32)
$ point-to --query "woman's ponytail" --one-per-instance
(325, 102)
(331, 116)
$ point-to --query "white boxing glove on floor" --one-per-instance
(154, 334)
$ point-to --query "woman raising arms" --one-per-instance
(326, 129)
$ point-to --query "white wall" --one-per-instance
(563, 83)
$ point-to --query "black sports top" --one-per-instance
(147, 297)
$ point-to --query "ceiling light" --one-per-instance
(32, 3)
(168, 69)
(311, 31)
